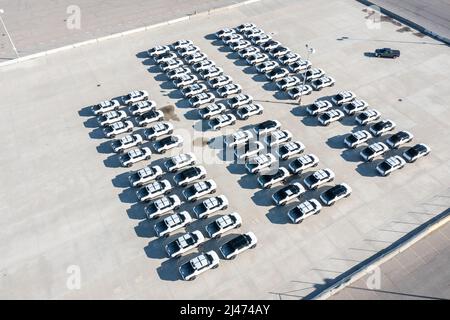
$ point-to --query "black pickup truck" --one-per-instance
(387, 53)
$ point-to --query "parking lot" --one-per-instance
(66, 201)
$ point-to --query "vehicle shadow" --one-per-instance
(155, 249)
(112, 161)
(337, 142)
(367, 169)
(105, 147)
(91, 123)
(168, 270)
(121, 180)
(352, 155)
(128, 196)
(310, 121)
(278, 215)
(369, 54)
(136, 211)
(248, 181)
(145, 228)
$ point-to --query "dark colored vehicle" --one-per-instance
(387, 53)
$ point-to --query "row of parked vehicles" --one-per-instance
(327, 112)
(156, 189)
(115, 121)
(249, 146)
(288, 70)
(180, 60)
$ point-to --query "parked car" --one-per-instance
(182, 43)
(201, 99)
(332, 195)
(357, 138)
(266, 127)
(184, 243)
(367, 116)
(202, 65)
(154, 190)
(157, 51)
(110, 117)
(266, 181)
(247, 52)
(199, 189)
(187, 51)
(232, 38)
(211, 110)
(199, 264)
(168, 65)
(279, 51)
(249, 110)
(257, 58)
(312, 74)
(116, 128)
(179, 72)
(355, 106)
(145, 175)
(229, 89)
(165, 57)
(322, 82)
(260, 162)
(390, 165)
(267, 66)
(269, 45)
(277, 73)
(219, 81)
(299, 66)
(399, 139)
(185, 80)
(260, 39)
(142, 107)
(162, 205)
(180, 161)
(343, 97)
(288, 82)
(221, 121)
(167, 143)
(318, 178)
(189, 175)
(383, 126)
(387, 53)
(289, 58)
(289, 149)
(319, 107)
(223, 224)
(135, 96)
(249, 149)
(245, 26)
(195, 57)
(211, 205)
(135, 155)
(288, 193)
(149, 117)
(238, 138)
(225, 32)
(239, 100)
(301, 90)
(238, 244)
(304, 162)
(416, 152)
(157, 130)
(194, 89)
(304, 210)
(105, 106)
(331, 116)
(126, 142)
(239, 45)
(278, 136)
(374, 150)
(171, 223)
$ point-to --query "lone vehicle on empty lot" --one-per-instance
(184, 243)
(357, 138)
(331, 116)
(387, 53)
(157, 130)
(238, 138)
(318, 107)
(180, 161)
(223, 224)
(304, 210)
(418, 151)
(201, 263)
(162, 205)
(168, 143)
(238, 244)
(135, 155)
(142, 107)
(154, 190)
(126, 142)
(343, 97)
(390, 165)
(105, 106)
(367, 116)
(110, 117)
(171, 223)
(199, 189)
(303, 162)
(135, 96)
(211, 110)
(288, 193)
(267, 181)
(399, 139)
(332, 195)
(211, 205)
(117, 128)
(381, 127)
(318, 178)
(189, 175)
(145, 175)
(221, 121)
(374, 150)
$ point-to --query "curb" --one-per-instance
(382, 256)
(124, 33)
(408, 22)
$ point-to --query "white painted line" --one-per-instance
(120, 34)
